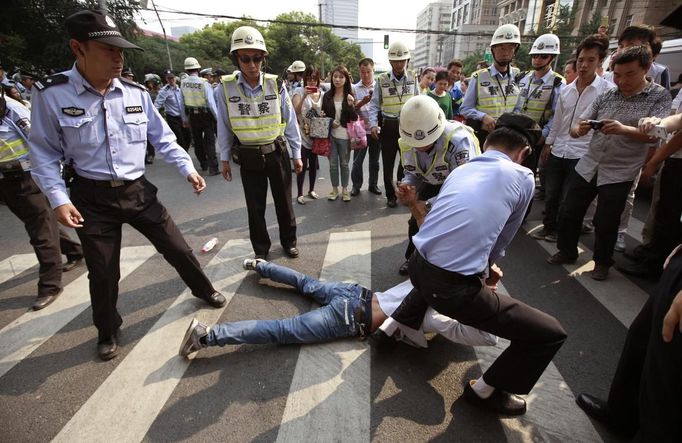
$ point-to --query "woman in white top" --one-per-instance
(339, 103)
(307, 101)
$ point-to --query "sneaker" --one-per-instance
(313, 195)
(251, 263)
(620, 243)
(301, 200)
(551, 237)
(333, 195)
(345, 196)
(540, 234)
(587, 228)
(600, 272)
(560, 258)
(355, 191)
(192, 340)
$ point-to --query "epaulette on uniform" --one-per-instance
(52, 80)
(132, 83)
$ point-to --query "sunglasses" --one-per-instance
(255, 59)
(540, 56)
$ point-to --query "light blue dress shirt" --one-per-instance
(468, 108)
(548, 78)
(476, 214)
(105, 136)
(171, 100)
(226, 137)
(362, 91)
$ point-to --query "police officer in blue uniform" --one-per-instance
(25, 200)
(99, 124)
(170, 99)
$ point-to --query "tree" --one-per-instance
(211, 45)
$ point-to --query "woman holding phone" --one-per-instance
(307, 101)
(339, 104)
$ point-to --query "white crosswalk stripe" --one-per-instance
(15, 265)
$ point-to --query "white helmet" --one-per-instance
(398, 51)
(546, 44)
(506, 34)
(297, 66)
(247, 37)
(422, 121)
(191, 63)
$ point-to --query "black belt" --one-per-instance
(197, 110)
(11, 166)
(264, 149)
(363, 315)
(444, 274)
(106, 183)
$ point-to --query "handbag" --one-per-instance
(322, 146)
(320, 127)
(357, 134)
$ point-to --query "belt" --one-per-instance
(444, 274)
(363, 315)
(264, 149)
(13, 166)
(106, 183)
(197, 110)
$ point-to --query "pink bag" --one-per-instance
(322, 146)
(357, 134)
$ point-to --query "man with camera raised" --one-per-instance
(614, 158)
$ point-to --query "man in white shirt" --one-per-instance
(562, 152)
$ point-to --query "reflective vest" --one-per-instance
(439, 168)
(12, 144)
(536, 98)
(395, 94)
(255, 120)
(193, 92)
(493, 100)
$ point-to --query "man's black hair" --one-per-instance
(640, 54)
(596, 41)
(638, 32)
(507, 138)
(656, 46)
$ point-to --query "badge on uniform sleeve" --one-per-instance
(133, 109)
(461, 157)
(485, 84)
(73, 111)
(235, 99)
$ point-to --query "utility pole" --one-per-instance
(322, 74)
(165, 38)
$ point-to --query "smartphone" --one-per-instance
(659, 132)
(371, 91)
(311, 89)
(596, 124)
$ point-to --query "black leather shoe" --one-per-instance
(403, 270)
(382, 342)
(45, 300)
(216, 300)
(391, 202)
(71, 264)
(594, 407)
(640, 269)
(291, 251)
(354, 192)
(107, 348)
(499, 401)
(374, 190)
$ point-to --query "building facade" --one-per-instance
(623, 13)
(428, 49)
(341, 13)
(473, 23)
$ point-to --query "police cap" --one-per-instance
(168, 73)
(522, 124)
(96, 26)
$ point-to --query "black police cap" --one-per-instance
(96, 26)
(168, 73)
(523, 124)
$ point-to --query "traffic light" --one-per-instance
(385, 41)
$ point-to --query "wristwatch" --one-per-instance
(427, 205)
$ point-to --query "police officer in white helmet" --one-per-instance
(256, 126)
(493, 91)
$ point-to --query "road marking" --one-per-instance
(619, 295)
(21, 337)
(124, 407)
(15, 265)
(329, 397)
(635, 229)
(550, 394)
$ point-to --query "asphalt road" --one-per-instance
(52, 385)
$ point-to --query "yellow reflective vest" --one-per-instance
(394, 94)
(12, 144)
(496, 97)
(535, 98)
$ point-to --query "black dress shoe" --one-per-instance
(382, 342)
(354, 192)
(499, 401)
(641, 269)
(45, 300)
(374, 190)
(594, 407)
(107, 348)
(71, 264)
(216, 300)
(403, 270)
(291, 251)
(391, 202)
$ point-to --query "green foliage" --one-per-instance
(211, 45)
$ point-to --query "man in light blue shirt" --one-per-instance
(99, 125)
(463, 231)
(170, 98)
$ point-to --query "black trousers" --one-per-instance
(535, 336)
(610, 206)
(356, 174)
(49, 240)
(203, 134)
(389, 149)
(310, 165)
(557, 172)
(426, 191)
(184, 135)
(105, 210)
(277, 171)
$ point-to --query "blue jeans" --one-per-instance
(335, 319)
(338, 159)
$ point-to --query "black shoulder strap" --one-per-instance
(52, 80)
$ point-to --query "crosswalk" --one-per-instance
(329, 395)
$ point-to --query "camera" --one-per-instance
(595, 124)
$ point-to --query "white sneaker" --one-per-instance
(620, 243)
(250, 264)
(314, 195)
(301, 200)
(192, 340)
